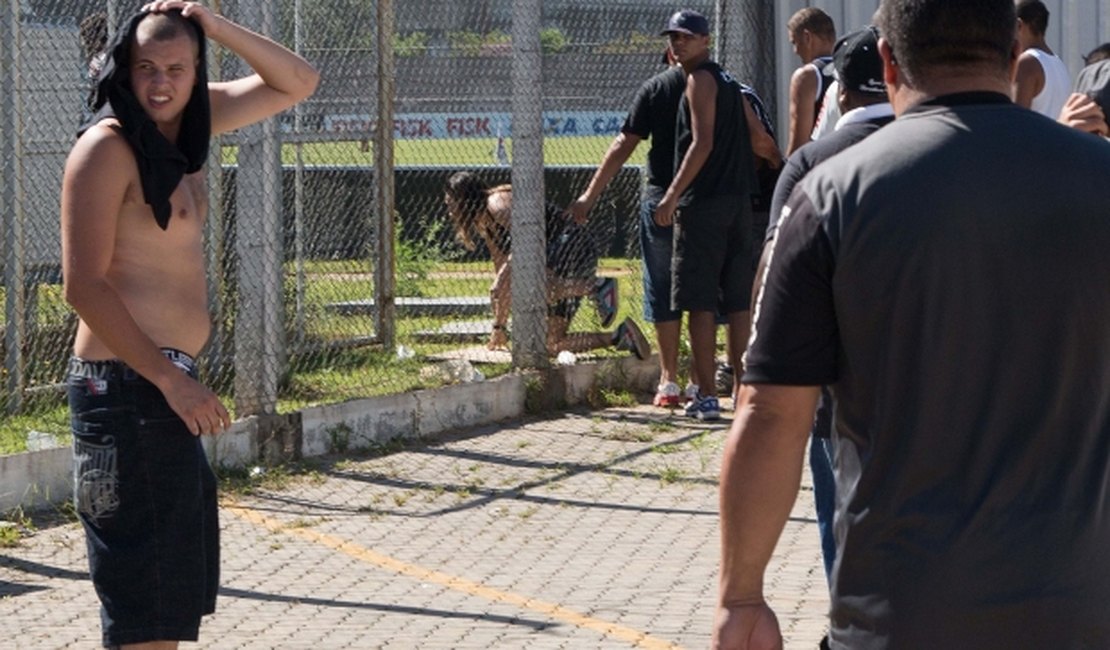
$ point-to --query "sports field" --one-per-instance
(468, 152)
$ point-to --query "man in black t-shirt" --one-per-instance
(949, 280)
(652, 116)
(864, 109)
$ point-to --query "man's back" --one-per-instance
(973, 380)
(1057, 83)
(729, 169)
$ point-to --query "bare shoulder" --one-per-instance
(1028, 66)
(803, 79)
(101, 150)
(100, 174)
(701, 86)
(699, 76)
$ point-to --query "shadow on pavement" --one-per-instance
(229, 592)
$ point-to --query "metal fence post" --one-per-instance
(14, 260)
(259, 324)
(529, 291)
(384, 268)
(115, 15)
(298, 194)
(218, 352)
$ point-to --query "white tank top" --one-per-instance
(1057, 84)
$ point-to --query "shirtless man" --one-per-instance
(133, 263)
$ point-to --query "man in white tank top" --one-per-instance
(1041, 82)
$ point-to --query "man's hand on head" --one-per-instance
(191, 10)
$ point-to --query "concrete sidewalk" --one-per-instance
(576, 530)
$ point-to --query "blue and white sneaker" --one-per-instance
(709, 409)
(605, 299)
(703, 407)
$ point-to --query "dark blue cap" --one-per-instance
(687, 21)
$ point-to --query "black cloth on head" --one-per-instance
(162, 163)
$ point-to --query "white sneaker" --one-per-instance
(692, 399)
(668, 395)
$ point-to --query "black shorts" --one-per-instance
(712, 262)
(146, 497)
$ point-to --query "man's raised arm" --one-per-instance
(281, 79)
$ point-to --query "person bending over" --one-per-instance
(479, 211)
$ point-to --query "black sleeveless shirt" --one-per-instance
(729, 169)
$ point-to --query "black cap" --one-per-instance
(857, 64)
(1094, 81)
(687, 21)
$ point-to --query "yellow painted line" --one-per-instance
(557, 612)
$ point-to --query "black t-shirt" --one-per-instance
(653, 116)
(812, 154)
(950, 276)
(729, 170)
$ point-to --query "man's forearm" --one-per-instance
(618, 153)
(692, 163)
(760, 476)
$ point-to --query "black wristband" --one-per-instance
(498, 327)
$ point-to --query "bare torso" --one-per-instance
(159, 274)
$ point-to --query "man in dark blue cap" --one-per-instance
(708, 203)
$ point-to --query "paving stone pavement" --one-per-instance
(572, 530)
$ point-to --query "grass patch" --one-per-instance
(14, 428)
(13, 527)
(625, 435)
(671, 475)
(322, 366)
(661, 426)
(245, 481)
(607, 397)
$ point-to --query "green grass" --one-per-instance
(322, 376)
(586, 150)
(13, 429)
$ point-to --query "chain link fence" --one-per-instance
(328, 281)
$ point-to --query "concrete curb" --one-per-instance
(40, 478)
